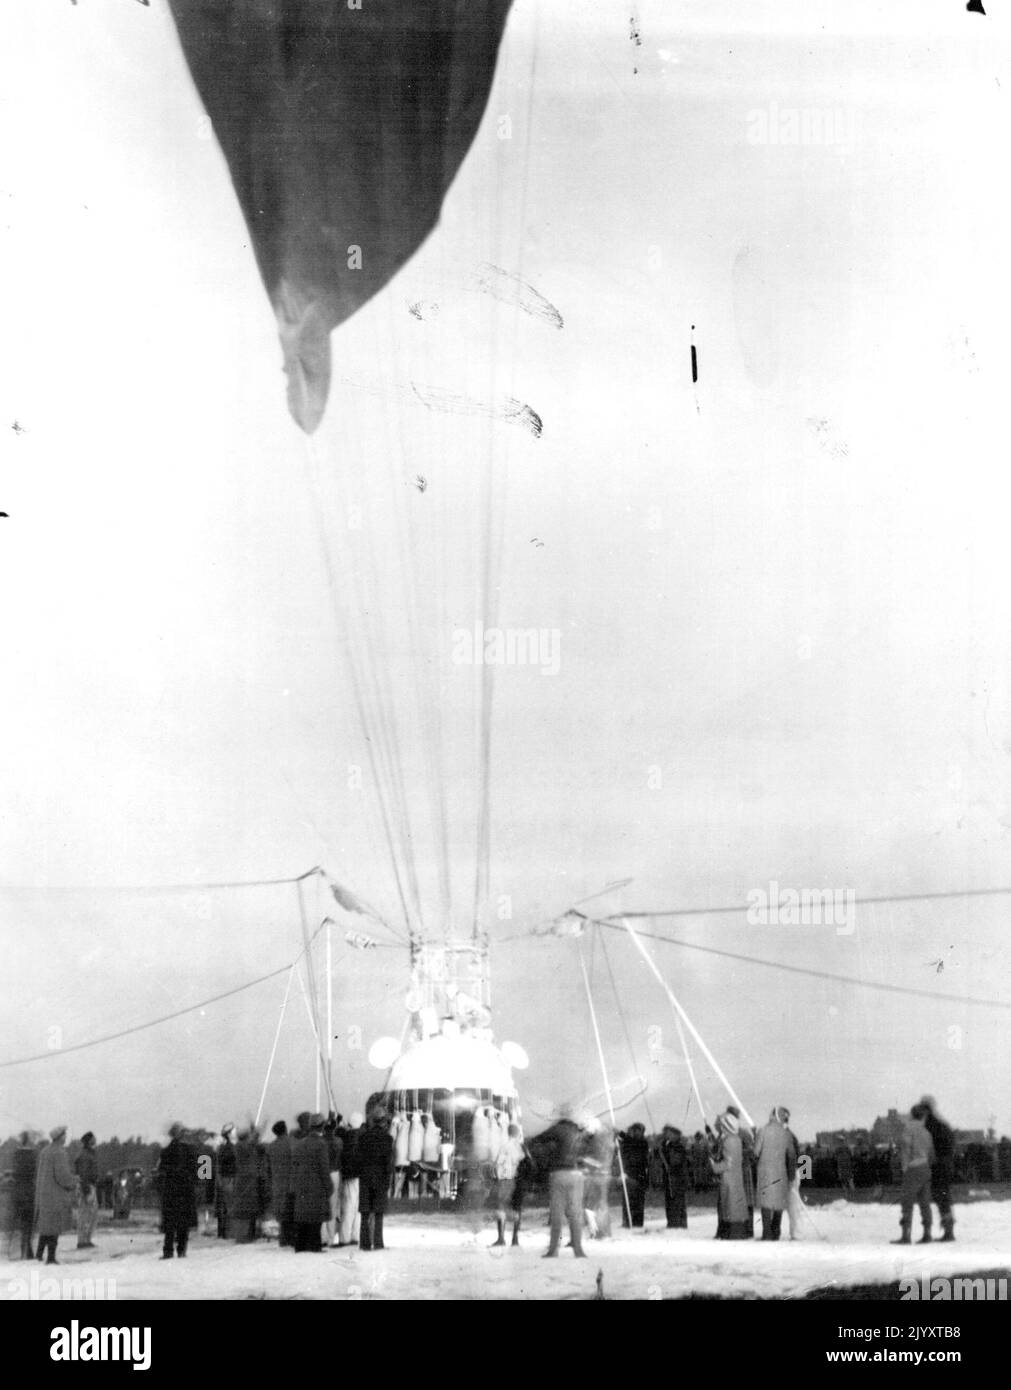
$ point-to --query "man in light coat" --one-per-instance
(564, 1145)
(55, 1187)
(506, 1166)
(334, 1145)
(598, 1161)
(350, 1221)
(916, 1151)
(733, 1213)
(776, 1151)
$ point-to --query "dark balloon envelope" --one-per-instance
(342, 128)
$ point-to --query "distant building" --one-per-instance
(887, 1129)
(833, 1138)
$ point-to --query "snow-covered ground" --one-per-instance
(432, 1256)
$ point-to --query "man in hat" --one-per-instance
(674, 1162)
(916, 1151)
(350, 1221)
(777, 1162)
(563, 1146)
(375, 1167)
(942, 1170)
(246, 1208)
(281, 1195)
(176, 1180)
(86, 1168)
(734, 1220)
(55, 1186)
(310, 1180)
(224, 1181)
(634, 1147)
(749, 1163)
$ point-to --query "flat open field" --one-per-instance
(440, 1256)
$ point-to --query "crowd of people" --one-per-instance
(585, 1165)
(327, 1182)
(755, 1170)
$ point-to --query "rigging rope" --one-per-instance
(624, 1026)
(428, 704)
(155, 888)
(815, 974)
(607, 1083)
(273, 1050)
(879, 898)
(374, 743)
(691, 1071)
(154, 1022)
(321, 1060)
(675, 1004)
(494, 514)
(303, 917)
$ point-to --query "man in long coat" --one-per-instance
(776, 1152)
(942, 1170)
(749, 1164)
(733, 1214)
(246, 1198)
(224, 1181)
(674, 1162)
(55, 1187)
(702, 1173)
(86, 1168)
(310, 1180)
(282, 1198)
(635, 1163)
(375, 1168)
(25, 1165)
(176, 1180)
(206, 1160)
(598, 1160)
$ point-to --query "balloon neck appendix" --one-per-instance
(343, 128)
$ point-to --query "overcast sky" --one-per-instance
(781, 593)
